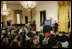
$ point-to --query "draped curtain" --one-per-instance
(63, 16)
(70, 13)
(20, 16)
(3, 20)
(15, 16)
(66, 17)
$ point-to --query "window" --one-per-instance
(18, 18)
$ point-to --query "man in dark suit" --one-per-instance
(68, 25)
(55, 26)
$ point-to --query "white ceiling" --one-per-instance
(11, 2)
(17, 2)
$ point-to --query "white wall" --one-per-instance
(51, 8)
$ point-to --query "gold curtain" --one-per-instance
(20, 16)
(15, 16)
(3, 20)
(63, 16)
(59, 10)
(66, 16)
(69, 3)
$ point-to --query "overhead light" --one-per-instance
(5, 10)
(28, 4)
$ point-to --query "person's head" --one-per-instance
(52, 36)
(4, 42)
(46, 35)
(36, 41)
(3, 31)
(59, 45)
(54, 30)
(12, 31)
(14, 44)
(13, 36)
(36, 36)
(18, 37)
(55, 21)
(63, 33)
(57, 33)
(9, 36)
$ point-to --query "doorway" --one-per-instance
(9, 23)
(26, 19)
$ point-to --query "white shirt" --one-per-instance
(65, 44)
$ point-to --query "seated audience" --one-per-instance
(27, 37)
(45, 40)
(52, 41)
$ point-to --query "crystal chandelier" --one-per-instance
(28, 4)
(5, 10)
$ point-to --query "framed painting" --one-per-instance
(42, 17)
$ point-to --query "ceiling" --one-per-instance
(17, 2)
(11, 2)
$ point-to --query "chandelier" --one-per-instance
(28, 4)
(5, 10)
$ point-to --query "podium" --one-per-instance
(47, 26)
(46, 29)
